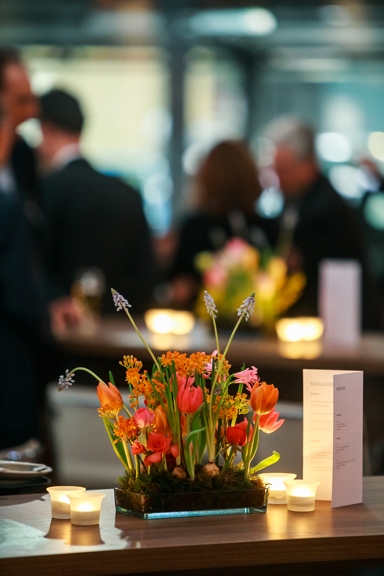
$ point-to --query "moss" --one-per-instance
(163, 482)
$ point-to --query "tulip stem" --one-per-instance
(89, 372)
(128, 455)
(251, 447)
(216, 334)
(142, 338)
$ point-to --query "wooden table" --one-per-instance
(278, 542)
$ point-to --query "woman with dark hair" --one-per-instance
(226, 190)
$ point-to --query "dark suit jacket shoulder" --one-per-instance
(23, 164)
(94, 220)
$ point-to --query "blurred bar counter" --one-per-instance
(112, 338)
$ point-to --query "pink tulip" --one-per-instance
(143, 417)
(268, 422)
(189, 399)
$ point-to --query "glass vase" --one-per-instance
(178, 505)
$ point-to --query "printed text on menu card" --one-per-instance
(333, 434)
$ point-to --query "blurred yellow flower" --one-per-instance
(238, 269)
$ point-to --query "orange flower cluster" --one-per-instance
(195, 364)
(125, 428)
(131, 362)
(140, 384)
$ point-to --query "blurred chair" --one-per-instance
(83, 454)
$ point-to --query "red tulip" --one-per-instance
(189, 399)
(263, 398)
(268, 422)
(237, 434)
(184, 380)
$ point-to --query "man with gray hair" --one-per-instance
(316, 223)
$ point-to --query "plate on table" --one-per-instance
(22, 470)
(26, 486)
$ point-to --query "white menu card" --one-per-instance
(333, 434)
(340, 301)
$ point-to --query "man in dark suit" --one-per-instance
(316, 223)
(93, 220)
(26, 318)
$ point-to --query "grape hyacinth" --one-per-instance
(246, 308)
(120, 301)
(210, 304)
(66, 381)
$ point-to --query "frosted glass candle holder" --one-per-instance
(85, 508)
(277, 489)
(301, 495)
(60, 501)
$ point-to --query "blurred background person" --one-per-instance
(223, 199)
(25, 319)
(93, 221)
(20, 104)
(316, 223)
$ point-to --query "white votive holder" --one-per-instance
(301, 495)
(60, 501)
(277, 489)
(85, 508)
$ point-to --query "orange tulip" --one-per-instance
(110, 399)
(161, 422)
(263, 398)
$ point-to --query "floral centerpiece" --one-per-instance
(238, 269)
(184, 431)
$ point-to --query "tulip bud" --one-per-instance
(189, 399)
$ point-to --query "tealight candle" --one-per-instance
(299, 329)
(85, 508)
(167, 321)
(277, 489)
(301, 495)
(60, 501)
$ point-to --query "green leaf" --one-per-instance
(192, 433)
(275, 457)
(111, 378)
(118, 448)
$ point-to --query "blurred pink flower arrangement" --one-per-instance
(238, 269)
